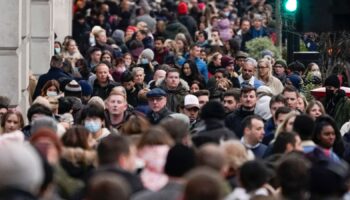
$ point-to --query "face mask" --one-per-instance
(144, 61)
(329, 93)
(92, 126)
(51, 93)
(227, 14)
(57, 50)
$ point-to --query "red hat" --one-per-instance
(226, 60)
(132, 28)
(182, 8)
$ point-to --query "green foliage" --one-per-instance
(257, 45)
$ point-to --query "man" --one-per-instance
(194, 55)
(173, 190)
(247, 77)
(160, 52)
(187, 20)
(240, 60)
(291, 95)
(191, 108)
(303, 125)
(95, 57)
(270, 125)
(253, 133)
(159, 74)
(287, 142)
(231, 100)
(248, 101)
(102, 85)
(175, 89)
(257, 30)
(157, 102)
(55, 72)
(117, 155)
(116, 110)
(336, 103)
(132, 90)
(203, 97)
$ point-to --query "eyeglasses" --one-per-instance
(156, 99)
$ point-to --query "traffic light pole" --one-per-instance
(293, 45)
(278, 24)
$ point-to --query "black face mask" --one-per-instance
(329, 93)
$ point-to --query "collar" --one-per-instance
(248, 146)
(250, 81)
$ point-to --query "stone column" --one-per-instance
(62, 18)
(13, 51)
(42, 35)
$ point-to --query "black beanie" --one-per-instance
(179, 161)
(213, 110)
(332, 80)
(304, 126)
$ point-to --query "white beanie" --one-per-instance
(148, 53)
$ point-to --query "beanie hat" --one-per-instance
(266, 52)
(281, 62)
(86, 89)
(180, 160)
(20, 167)
(182, 8)
(332, 80)
(213, 110)
(304, 125)
(46, 133)
(148, 53)
(226, 60)
(72, 89)
(295, 80)
(4, 102)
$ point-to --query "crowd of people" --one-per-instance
(161, 100)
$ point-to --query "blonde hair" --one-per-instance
(268, 64)
(236, 153)
(283, 125)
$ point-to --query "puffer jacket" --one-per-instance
(175, 97)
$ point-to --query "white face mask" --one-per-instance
(51, 93)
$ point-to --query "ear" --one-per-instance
(289, 147)
(122, 161)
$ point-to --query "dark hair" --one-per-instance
(195, 75)
(177, 129)
(289, 88)
(38, 109)
(76, 136)
(111, 148)
(253, 175)
(204, 33)
(278, 98)
(94, 49)
(247, 121)
(320, 123)
(234, 92)
(92, 110)
(202, 93)
(48, 84)
(247, 89)
(283, 138)
(170, 70)
(161, 38)
(8, 114)
(282, 110)
(156, 135)
(56, 61)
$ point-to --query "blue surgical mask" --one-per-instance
(92, 126)
(57, 50)
(51, 93)
(144, 61)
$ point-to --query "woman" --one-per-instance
(196, 86)
(107, 57)
(315, 109)
(153, 149)
(287, 124)
(302, 103)
(279, 70)
(265, 75)
(190, 73)
(327, 137)
(50, 89)
(12, 121)
(78, 155)
(181, 47)
(214, 64)
(93, 119)
(138, 74)
(71, 53)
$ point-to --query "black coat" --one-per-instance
(155, 118)
(234, 121)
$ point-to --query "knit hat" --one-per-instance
(20, 167)
(72, 89)
(266, 52)
(86, 89)
(281, 62)
(332, 80)
(180, 160)
(295, 80)
(131, 28)
(304, 125)
(226, 60)
(241, 54)
(182, 8)
(148, 53)
(213, 110)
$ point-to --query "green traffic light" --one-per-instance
(291, 5)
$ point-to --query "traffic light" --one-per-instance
(291, 5)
